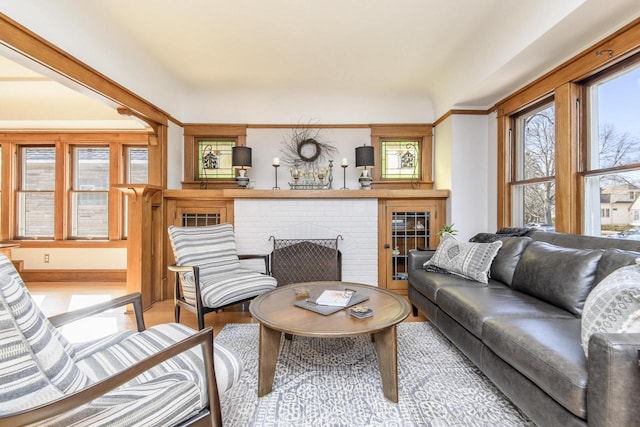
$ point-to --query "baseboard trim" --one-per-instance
(74, 275)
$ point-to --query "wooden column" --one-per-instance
(140, 250)
(568, 181)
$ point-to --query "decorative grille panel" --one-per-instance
(200, 219)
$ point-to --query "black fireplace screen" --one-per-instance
(305, 260)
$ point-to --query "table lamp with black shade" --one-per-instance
(364, 159)
(241, 157)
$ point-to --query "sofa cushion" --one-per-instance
(428, 283)
(613, 306)
(560, 276)
(472, 306)
(467, 259)
(548, 352)
(613, 259)
(504, 264)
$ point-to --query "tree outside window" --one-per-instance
(534, 186)
(612, 182)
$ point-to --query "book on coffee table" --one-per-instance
(310, 304)
(335, 298)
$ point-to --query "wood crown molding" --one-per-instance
(620, 45)
(462, 112)
(26, 42)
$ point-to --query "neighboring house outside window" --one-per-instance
(613, 147)
(36, 192)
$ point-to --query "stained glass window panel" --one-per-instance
(214, 158)
(400, 159)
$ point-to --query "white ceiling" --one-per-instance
(186, 57)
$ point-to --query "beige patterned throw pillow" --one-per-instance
(471, 260)
(613, 306)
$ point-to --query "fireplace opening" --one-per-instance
(305, 260)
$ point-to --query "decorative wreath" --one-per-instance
(305, 146)
(309, 150)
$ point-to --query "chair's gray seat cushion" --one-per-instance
(222, 289)
(105, 357)
(560, 276)
(548, 352)
(472, 306)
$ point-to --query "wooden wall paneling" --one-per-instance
(6, 201)
(116, 199)
(61, 185)
(140, 240)
(504, 171)
(568, 197)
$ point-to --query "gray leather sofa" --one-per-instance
(522, 329)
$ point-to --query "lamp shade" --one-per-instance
(241, 156)
(364, 156)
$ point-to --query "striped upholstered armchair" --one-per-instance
(208, 273)
(165, 375)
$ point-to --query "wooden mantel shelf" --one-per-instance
(306, 194)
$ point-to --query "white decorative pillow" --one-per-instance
(471, 260)
(613, 306)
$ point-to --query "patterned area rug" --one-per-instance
(336, 382)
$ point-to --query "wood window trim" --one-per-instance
(423, 133)
(195, 132)
(63, 142)
(564, 83)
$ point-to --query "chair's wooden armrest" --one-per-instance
(181, 268)
(203, 337)
(71, 316)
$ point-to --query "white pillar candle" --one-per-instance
(345, 162)
(276, 161)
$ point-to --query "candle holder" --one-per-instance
(275, 168)
(344, 176)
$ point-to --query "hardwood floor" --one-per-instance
(59, 297)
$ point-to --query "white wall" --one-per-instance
(175, 156)
(443, 175)
(72, 258)
(268, 143)
(462, 165)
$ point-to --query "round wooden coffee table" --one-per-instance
(277, 314)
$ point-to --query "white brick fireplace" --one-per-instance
(356, 220)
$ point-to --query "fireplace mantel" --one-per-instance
(362, 217)
(306, 194)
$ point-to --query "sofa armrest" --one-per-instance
(614, 380)
(418, 258)
(203, 338)
(135, 299)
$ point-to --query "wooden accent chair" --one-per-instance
(208, 273)
(164, 375)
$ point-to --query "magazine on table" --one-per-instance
(335, 298)
(312, 304)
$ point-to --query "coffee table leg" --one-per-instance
(387, 349)
(268, 356)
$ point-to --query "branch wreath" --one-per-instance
(307, 147)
